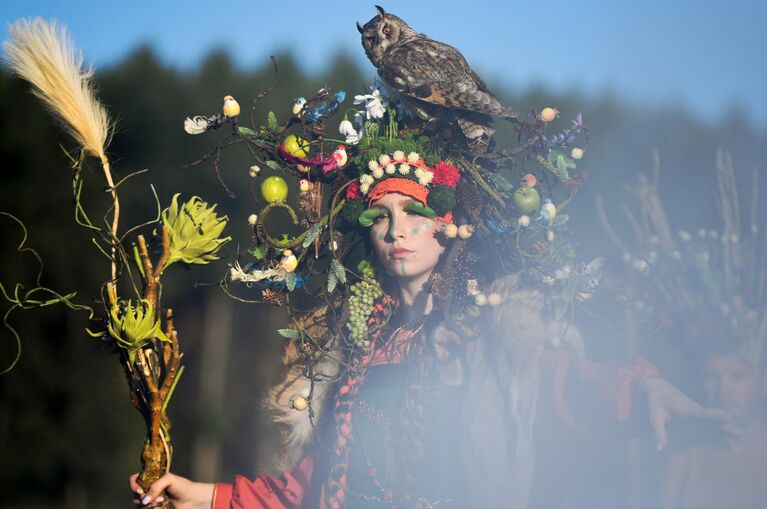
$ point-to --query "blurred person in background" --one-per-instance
(727, 468)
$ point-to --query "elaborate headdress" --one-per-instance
(433, 187)
(473, 195)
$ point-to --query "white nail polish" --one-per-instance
(146, 500)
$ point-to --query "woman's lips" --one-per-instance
(399, 252)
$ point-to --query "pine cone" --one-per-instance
(469, 197)
(273, 297)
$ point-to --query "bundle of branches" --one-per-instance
(713, 280)
(190, 232)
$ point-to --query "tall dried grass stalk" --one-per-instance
(42, 53)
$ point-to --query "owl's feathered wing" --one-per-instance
(436, 73)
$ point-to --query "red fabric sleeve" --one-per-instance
(268, 491)
(584, 393)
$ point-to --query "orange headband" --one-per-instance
(399, 185)
(408, 188)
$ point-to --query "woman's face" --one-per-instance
(406, 242)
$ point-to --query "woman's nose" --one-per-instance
(396, 230)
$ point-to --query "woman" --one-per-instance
(725, 469)
(434, 402)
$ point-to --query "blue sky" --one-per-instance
(707, 56)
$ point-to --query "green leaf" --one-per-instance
(247, 132)
(289, 333)
(290, 281)
(260, 251)
(272, 121)
(501, 184)
(332, 281)
(561, 309)
(562, 167)
(561, 219)
(314, 232)
(272, 165)
(337, 268)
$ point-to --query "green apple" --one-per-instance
(274, 189)
(526, 199)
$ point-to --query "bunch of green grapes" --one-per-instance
(361, 302)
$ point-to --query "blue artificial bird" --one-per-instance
(325, 109)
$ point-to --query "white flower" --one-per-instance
(550, 236)
(424, 176)
(576, 153)
(702, 233)
(366, 179)
(564, 272)
(352, 135)
(640, 265)
(364, 188)
(391, 169)
(196, 125)
(252, 219)
(413, 157)
(254, 171)
(380, 87)
(372, 165)
(375, 104)
(399, 156)
(404, 168)
(524, 221)
(684, 235)
(384, 159)
(378, 172)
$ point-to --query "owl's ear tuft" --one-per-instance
(381, 11)
(359, 27)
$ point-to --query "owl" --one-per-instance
(431, 77)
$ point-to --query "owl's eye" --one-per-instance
(386, 30)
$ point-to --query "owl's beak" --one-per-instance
(359, 27)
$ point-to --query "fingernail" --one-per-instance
(146, 500)
(139, 491)
(159, 500)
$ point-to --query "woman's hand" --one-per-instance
(665, 401)
(183, 493)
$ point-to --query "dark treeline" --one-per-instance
(68, 434)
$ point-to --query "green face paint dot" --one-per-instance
(402, 267)
(415, 231)
(381, 236)
(426, 225)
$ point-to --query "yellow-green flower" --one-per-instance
(133, 327)
(194, 230)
